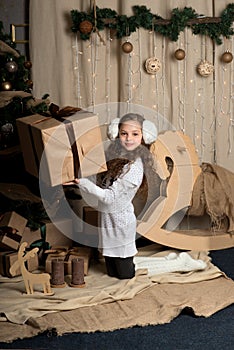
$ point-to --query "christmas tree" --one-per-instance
(14, 69)
(16, 98)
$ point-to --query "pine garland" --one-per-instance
(214, 27)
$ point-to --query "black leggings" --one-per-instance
(122, 268)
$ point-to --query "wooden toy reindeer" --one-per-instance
(31, 278)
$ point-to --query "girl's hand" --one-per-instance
(69, 183)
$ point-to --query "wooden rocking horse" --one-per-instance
(30, 279)
(153, 224)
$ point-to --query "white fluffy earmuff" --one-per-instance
(113, 129)
(149, 131)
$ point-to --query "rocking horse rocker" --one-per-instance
(154, 223)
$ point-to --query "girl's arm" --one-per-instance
(122, 187)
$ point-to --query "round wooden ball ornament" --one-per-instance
(127, 47)
(85, 27)
(227, 57)
(179, 54)
(27, 64)
(205, 68)
(29, 83)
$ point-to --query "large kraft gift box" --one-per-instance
(62, 253)
(12, 226)
(8, 258)
(69, 148)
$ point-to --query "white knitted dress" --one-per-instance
(117, 232)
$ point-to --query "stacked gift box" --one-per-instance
(53, 242)
(56, 150)
(13, 231)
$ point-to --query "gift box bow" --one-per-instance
(41, 243)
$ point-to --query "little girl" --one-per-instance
(129, 165)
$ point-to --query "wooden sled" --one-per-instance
(154, 224)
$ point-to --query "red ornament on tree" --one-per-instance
(85, 27)
(28, 64)
(29, 83)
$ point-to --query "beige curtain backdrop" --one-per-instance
(90, 73)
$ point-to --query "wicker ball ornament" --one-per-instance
(227, 57)
(179, 54)
(85, 27)
(127, 47)
(205, 68)
(152, 65)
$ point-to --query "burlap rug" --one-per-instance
(107, 304)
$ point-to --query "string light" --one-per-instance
(196, 110)
(107, 73)
(155, 77)
(163, 74)
(94, 60)
(181, 91)
(231, 103)
(140, 65)
(77, 52)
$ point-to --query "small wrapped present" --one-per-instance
(67, 255)
(49, 235)
(12, 226)
(90, 216)
(8, 258)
